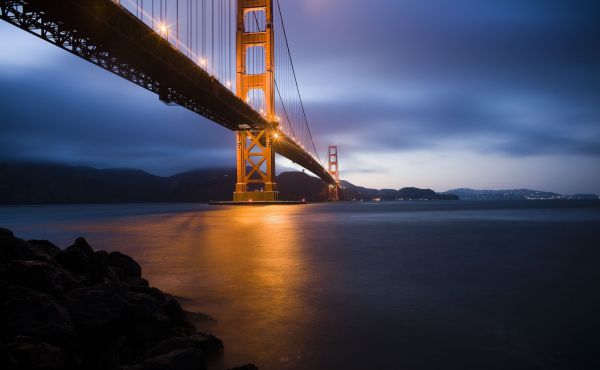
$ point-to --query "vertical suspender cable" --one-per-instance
(212, 33)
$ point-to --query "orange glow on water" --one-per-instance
(243, 265)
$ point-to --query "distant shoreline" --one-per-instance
(17, 205)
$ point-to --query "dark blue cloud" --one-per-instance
(83, 115)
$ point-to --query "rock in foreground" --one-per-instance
(83, 309)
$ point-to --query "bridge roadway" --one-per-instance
(106, 34)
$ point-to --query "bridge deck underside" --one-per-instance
(107, 35)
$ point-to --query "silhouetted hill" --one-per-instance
(515, 194)
(353, 192)
(423, 194)
(22, 183)
(298, 186)
(54, 183)
(201, 185)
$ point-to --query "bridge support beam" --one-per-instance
(334, 193)
(255, 153)
(255, 167)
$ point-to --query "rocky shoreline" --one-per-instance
(76, 308)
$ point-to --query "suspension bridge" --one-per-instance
(227, 60)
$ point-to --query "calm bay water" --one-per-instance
(406, 285)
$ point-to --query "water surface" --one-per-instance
(399, 285)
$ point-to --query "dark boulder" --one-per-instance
(77, 258)
(199, 319)
(151, 316)
(18, 249)
(29, 353)
(209, 344)
(41, 276)
(101, 256)
(97, 314)
(169, 345)
(36, 275)
(29, 313)
(6, 234)
(83, 246)
(110, 276)
(81, 259)
(181, 359)
(46, 246)
(97, 309)
(146, 323)
(246, 367)
(124, 266)
(106, 354)
(158, 296)
(6, 362)
(174, 312)
(137, 283)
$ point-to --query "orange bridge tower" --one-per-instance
(334, 170)
(255, 153)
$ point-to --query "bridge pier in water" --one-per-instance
(255, 165)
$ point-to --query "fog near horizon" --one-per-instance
(423, 94)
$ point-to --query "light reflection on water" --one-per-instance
(244, 266)
(355, 286)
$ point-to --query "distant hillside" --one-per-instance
(298, 185)
(353, 192)
(423, 194)
(22, 183)
(516, 194)
(54, 183)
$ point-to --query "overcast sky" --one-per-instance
(428, 93)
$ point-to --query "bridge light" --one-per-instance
(276, 135)
(163, 28)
